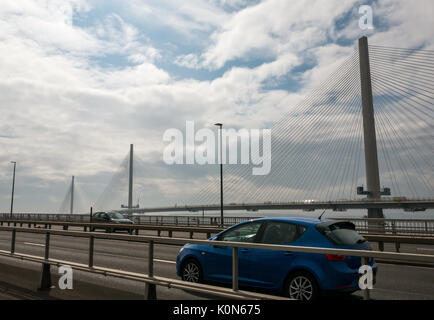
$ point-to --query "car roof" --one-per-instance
(300, 220)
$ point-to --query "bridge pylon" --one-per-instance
(71, 209)
(369, 135)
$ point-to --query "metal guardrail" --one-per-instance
(388, 226)
(131, 228)
(393, 226)
(110, 227)
(152, 280)
(297, 205)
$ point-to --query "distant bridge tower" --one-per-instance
(371, 158)
(71, 211)
(130, 181)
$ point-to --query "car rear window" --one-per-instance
(116, 215)
(341, 233)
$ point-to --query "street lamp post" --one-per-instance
(13, 188)
(221, 174)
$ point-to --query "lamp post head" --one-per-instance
(14, 162)
(218, 124)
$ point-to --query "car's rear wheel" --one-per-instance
(191, 271)
(301, 286)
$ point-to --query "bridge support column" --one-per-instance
(130, 179)
(71, 209)
(369, 136)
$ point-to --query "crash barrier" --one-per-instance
(381, 239)
(151, 280)
(110, 227)
(421, 227)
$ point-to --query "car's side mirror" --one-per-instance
(217, 238)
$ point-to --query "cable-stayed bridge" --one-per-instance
(367, 129)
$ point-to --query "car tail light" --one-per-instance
(335, 257)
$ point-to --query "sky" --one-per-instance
(83, 79)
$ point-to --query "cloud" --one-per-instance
(272, 28)
(81, 82)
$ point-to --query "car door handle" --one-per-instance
(244, 250)
(288, 253)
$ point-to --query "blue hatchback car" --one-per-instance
(297, 275)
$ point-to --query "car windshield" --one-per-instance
(342, 233)
(115, 215)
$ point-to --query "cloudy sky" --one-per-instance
(83, 79)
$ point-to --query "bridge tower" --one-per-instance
(71, 211)
(130, 180)
(371, 158)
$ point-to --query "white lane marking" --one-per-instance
(425, 249)
(403, 265)
(166, 261)
(35, 244)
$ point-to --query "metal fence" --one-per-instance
(151, 280)
(419, 227)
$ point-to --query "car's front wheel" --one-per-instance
(191, 271)
(301, 286)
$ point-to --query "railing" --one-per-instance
(388, 226)
(151, 280)
(394, 226)
(380, 238)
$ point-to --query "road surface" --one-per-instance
(19, 279)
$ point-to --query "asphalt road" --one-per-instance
(19, 279)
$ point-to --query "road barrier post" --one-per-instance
(91, 247)
(150, 289)
(366, 295)
(13, 240)
(45, 283)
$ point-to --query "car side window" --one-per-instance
(281, 232)
(244, 233)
